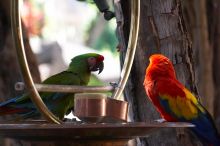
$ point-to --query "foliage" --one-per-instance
(107, 40)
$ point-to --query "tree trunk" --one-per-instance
(162, 30)
(215, 43)
(196, 16)
(9, 71)
(204, 25)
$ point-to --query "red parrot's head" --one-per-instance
(160, 66)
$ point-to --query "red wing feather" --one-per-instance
(10, 110)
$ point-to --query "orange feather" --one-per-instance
(176, 103)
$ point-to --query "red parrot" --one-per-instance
(175, 103)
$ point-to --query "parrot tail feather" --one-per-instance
(12, 100)
(10, 110)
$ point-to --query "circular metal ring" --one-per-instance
(131, 48)
(18, 39)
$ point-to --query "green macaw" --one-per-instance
(78, 73)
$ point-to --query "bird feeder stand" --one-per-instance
(35, 97)
(77, 132)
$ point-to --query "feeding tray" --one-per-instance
(99, 108)
(36, 130)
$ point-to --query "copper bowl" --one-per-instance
(95, 107)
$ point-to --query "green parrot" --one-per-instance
(78, 73)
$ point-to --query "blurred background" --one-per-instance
(59, 30)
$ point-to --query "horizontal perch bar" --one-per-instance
(73, 88)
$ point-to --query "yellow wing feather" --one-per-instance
(184, 107)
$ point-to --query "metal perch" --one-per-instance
(20, 86)
(73, 89)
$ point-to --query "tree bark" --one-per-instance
(214, 26)
(196, 16)
(162, 30)
(9, 71)
(204, 25)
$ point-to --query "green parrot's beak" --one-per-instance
(101, 67)
(98, 67)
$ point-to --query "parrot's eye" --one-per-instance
(91, 60)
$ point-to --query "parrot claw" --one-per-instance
(113, 84)
(119, 48)
(160, 120)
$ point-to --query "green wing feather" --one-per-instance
(63, 78)
(78, 73)
(58, 103)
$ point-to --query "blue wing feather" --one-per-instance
(205, 129)
(12, 100)
(204, 126)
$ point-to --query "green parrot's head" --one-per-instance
(87, 62)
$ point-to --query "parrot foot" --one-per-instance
(160, 120)
(119, 48)
(114, 85)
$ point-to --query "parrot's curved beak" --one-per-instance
(98, 67)
(101, 67)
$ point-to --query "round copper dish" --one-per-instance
(96, 107)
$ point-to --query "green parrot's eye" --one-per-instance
(91, 58)
(91, 61)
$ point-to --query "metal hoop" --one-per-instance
(132, 43)
(18, 39)
(35, 97)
